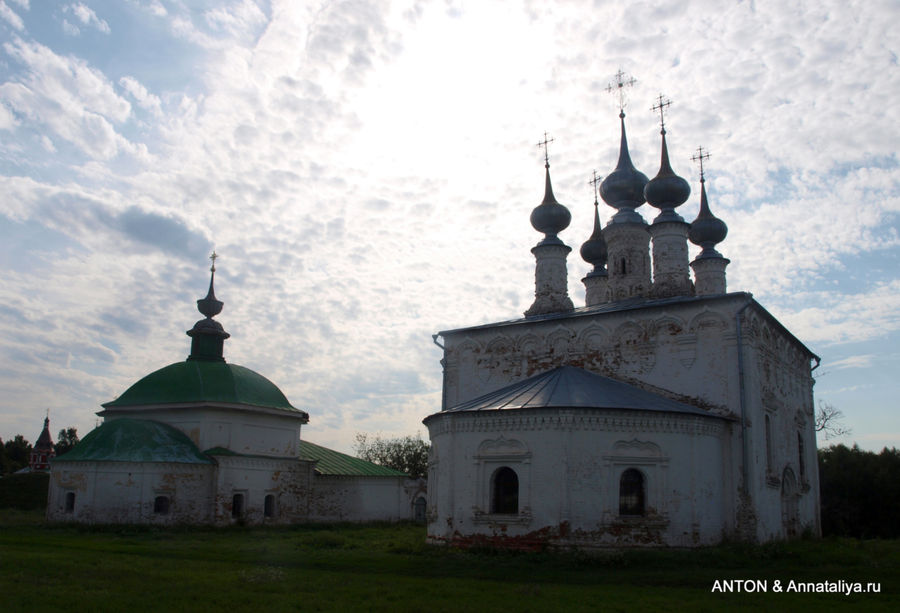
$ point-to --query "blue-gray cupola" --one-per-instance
(594, 252)
(669, 231)
(666, 190)
(551, 293)
(550, 217)
(208, 336)
(623, 188)
(707, 231)
(626, 235)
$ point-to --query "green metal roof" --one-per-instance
(335, 463)
(135, 440)
(198, 381)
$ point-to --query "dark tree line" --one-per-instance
(15, 452)
(860, 492)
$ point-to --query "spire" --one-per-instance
(593, 251)
(666, 190)
(208, 335)
(551, 294)
(549, 217)
(623, 188)
(707, 230)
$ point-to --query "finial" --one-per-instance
(618, 87)
(699, 157)
(545, 144)
(595, 181)
(662, 103)
(209, 306)
(707, 230)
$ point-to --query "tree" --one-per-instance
(860, 492)
(829, 421)
(406, 453)
(17, 452)
(68, 438)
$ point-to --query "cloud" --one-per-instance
(86, 16)
(11, 17)
(69, 97)
(367, 169)
(144, 98)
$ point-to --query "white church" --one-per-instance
(667, 411)
(203, 441)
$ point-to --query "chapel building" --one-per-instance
(667, 411)
(204, 441)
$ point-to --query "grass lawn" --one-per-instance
(375, 567)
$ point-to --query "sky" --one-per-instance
(366, 171)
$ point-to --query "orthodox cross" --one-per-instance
(595, 182)
(662, 103)
(545, 144)
(618, 87)
(699, 157)
(213, 257)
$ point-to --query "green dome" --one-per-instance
(203, 381)
(135, 440)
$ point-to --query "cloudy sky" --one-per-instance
(366, 171)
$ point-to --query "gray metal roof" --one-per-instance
(571, 387)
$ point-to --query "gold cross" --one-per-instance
(213, 257)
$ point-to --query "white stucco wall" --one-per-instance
(244, 430)
(124, 492)
(687, 351)
(568, 465)
(362, 498)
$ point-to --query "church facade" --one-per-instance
(665, 412)
(207, 442)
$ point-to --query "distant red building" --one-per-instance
(43, 450)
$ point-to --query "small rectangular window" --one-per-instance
(269, 506)
(70, 502)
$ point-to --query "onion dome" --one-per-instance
(550, 217)
(666, 190)
(593, 251)
(707, 230)
(208, 335)
(623, 188)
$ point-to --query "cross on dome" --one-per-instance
(546, 145)
(595, 181)
(699, 157)
(618, 87)
(662, 103)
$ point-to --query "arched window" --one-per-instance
(161, 505)
(801, 460)
(237, 505)
(768, 444)
(419, 509)
(631, 493)
(505, 491)
(70, 502)
(623, 268)
(269, 506)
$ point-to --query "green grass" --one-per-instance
(376, 567)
